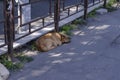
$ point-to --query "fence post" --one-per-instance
(13, 17)
(5, 24)
(93, 2)
(56, 14)
(105, 2)
(63, 4)
(10, 27)
(85, 9)
(50, 8)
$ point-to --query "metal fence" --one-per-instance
(2, 25)
(53, 10)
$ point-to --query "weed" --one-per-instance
(79, 21)
(92, 13)
(66, 29)
(31, 45)
(9, 64)
(14, 66)
(24, 59)
(109, 5)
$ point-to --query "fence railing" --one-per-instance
(2, 26)
(55, 9)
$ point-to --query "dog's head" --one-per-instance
(65, 38)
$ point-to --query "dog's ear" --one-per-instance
(65, 38)
(62, 34)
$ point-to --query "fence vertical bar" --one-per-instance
(5, 26)
(63, 4)
(9, 23)
(68, 11)
(105, 1)
(12, 18)
(43, 22)
(50, 8)
(29, 27)
(20, 16)
(77, 8)
(56, 14)
(93, 2)
(85, 9)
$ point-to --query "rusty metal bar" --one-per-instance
(56, 14)
(5, 24)
(68, 11)
(77, 8)
(29, 28)
(63, 5)
(50, 8)
(20, 15)
(85, 9)
(9, 38)
(93, 2)
(105, 2)
(9, 23)
(12, 19)
(43, 22)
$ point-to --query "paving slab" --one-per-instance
(89, 56)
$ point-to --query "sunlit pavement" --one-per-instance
(92, 54)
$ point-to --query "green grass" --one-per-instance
(24, 59)
(14, 66)
(66, 29)
(109, 6)
(111, 2)
(31, 45)
(9, 64)
(92, 13)
(79, 22)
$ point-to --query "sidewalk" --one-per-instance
(89, 56)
